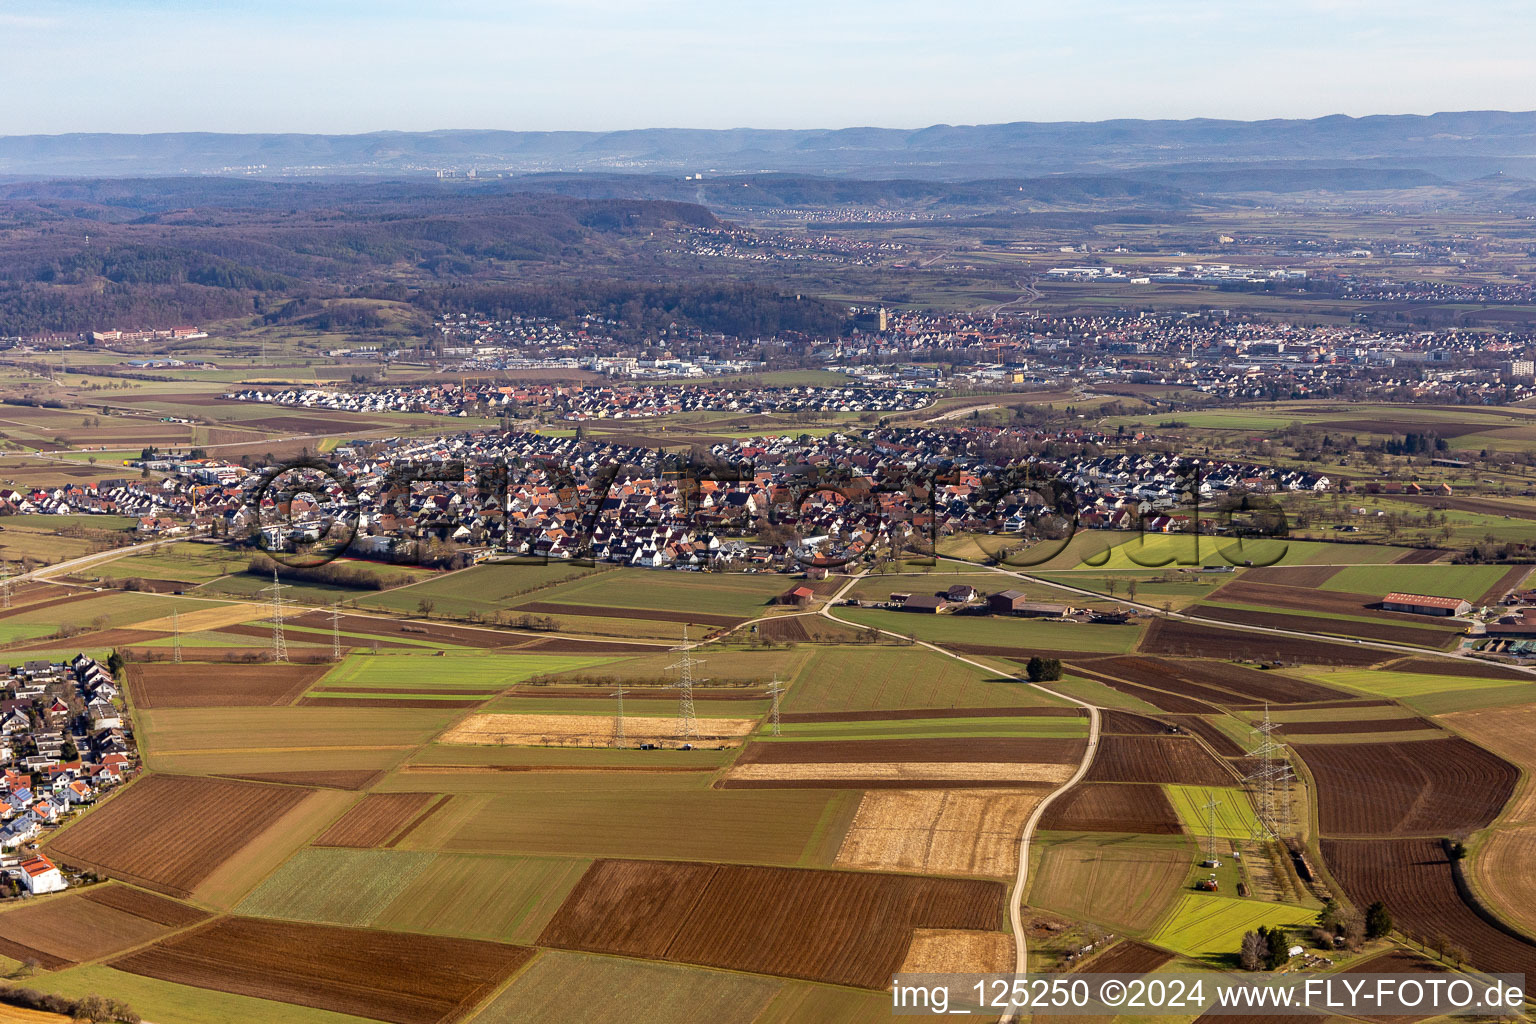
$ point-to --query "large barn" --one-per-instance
(1420, 604)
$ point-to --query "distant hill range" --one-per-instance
(1453, 146)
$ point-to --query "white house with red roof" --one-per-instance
(40, 875)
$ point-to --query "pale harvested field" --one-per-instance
(903, 771)
(1502, 869)
(939, 831)
(586, 730)
(212, 618)
(952, 951)
(1510, 733)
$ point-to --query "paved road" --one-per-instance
(1027, 832)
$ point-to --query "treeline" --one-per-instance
(93, 1009)
(332, 574)
(729, 307)
(1413, 443)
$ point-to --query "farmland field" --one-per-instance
(335, 886)
(1413, 878)
(864, 679)
(332, 968)
(1122, 882)
(592, 730)
(182, 1004)
(124, 837)
(1210, 927)
(374, 819)
(611, 988)
(1105, 807)
(939, 831)
(1430, 787)
(730, 594)
(502, 899)
(1468, 582)
(1018, 633)
(489, 673)
(89, 925)
(842, 927)
(187, 685)
(1193, 639)
(1175, 759)
(649, 816)
(1232, 818)
(484, 589)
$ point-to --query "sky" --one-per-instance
(364, 65)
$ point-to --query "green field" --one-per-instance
(1468, 582)
(999, 631)
(165, 1002)
(1390, 683)
(335, 886)
(108, 611)
(505, 899)
(1234, 816)
(214, 737)
(666, 817)
(423, 673)
(481, 590)
(186, 563)
(1123, 881)
(651, 701)
(712, 593)
(898, 678)
(725, 666)
(1211, 927)
(613, 990)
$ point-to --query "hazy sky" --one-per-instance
(362, 65)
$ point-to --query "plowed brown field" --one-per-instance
(84, 926)
(185, 685)
(1413, 878)
(389, 976)
(842, 927)
(1194, 639)
(1177, 759)
(128, 836)
(371, 822)
(1109, 807)
(1429, 787)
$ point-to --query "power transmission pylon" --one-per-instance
(335, 631)
(176, 635)
(687, 725)
(775, 691)
(1271, 783)
(279, 642)
(619, 693)
(5, 585)
(1210, 831)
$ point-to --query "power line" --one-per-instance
(279, 642)
(619, 693)
(1210, 832)
(775, 691)
(687, 724)
(1271, 783)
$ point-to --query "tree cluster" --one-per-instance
(1043, 670)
